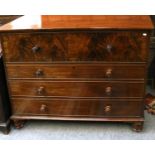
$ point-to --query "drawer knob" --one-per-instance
(39, 73)
(107, 108)
(40, 90)
(36, 49)
(108, 73)
(43, 108)
(108, 90)
(109, 48)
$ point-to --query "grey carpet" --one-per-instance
(52, 130)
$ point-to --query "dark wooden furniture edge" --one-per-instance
(5, 127)
(136, 123)
(120, 119)
(5, 123)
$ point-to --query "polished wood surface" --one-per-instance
(76, 88)
(76, 71)
(94, 119)
(79, 21)
(76, 46)
(77, 67)
(74, 107)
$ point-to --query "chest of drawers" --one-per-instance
(87, 68)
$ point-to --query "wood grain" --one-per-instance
(76, 71)
(73, 107)
(76, 88)
(31, 22)
(57, 67)
(76, 46)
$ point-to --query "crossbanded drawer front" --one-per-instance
(76, 88)
(77, 107)
(124, 46)
(76, 71)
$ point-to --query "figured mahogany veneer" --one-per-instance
(76, 46)
(77, 67)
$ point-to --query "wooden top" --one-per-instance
(79, 22)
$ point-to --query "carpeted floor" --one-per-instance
(50, 130)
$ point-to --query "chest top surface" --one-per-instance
(30, 22)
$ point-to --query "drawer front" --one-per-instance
(77, 71)
(74, 107)
(76, 46)
(76, 88)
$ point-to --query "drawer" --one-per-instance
(77, 107)
(77, 71)
(76, 46)
(76, 88)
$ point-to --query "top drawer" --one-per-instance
(124, 46)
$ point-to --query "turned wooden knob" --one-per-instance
(107, 108)
(40, 90)
(36, 49)
(109, 73)
(108, 90)
(43, 108)
(109, 48)
(39, 73)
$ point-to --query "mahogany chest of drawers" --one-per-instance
(88, 68)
